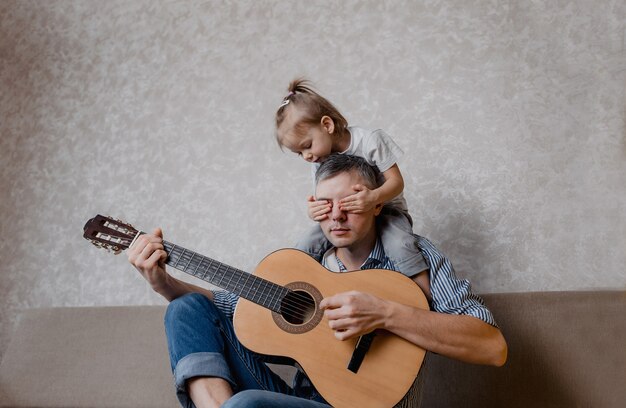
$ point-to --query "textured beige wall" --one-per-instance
(511, 114)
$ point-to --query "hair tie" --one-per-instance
(286, 100)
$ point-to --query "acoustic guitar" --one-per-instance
(278, 314)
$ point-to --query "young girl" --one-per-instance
(309, 125)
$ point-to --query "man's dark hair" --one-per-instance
(342, 163)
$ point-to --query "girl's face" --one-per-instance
(312, 142)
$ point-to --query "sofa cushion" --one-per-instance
(566, 349)
(88, 357)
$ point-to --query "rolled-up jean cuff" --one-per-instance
(200, 365)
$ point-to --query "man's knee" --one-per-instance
(187, 306)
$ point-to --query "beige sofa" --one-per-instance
(566, 349)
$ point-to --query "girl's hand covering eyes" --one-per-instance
(318, 210)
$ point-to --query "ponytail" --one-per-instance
(312, 105)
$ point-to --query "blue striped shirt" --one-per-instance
(450, 295)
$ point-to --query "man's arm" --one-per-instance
(148, 256)
(461, 337)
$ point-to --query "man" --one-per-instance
(211, 367)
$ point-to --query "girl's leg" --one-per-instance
(313, 242)
(396, 233)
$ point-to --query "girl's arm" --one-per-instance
(393, 185)
(365, 199)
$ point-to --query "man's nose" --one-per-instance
(336, 213)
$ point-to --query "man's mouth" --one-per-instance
(339, 231)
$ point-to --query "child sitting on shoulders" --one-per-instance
(309, 125)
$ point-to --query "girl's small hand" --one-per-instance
(363, 200)
(318, 210)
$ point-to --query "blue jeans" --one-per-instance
(202, 343)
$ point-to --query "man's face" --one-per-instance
(343, 229)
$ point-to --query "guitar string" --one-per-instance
(299, 305)
(202, 259)
(296, 307)
(296, 304)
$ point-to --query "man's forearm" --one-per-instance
(173, 288)
(461, 337)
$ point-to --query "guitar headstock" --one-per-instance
(109, 233)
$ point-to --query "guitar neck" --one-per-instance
(250, 287)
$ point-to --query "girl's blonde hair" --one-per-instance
(312, 106)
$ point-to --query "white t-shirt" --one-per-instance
(378, 149)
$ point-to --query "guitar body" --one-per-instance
(389, 367)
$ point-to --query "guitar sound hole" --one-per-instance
(298, 307)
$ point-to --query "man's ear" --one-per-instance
(377, 209)
(328, 124)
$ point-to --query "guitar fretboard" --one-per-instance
(246, 285)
